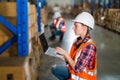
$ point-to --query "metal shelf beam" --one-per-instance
(8, 44)
(92, 6)
(8, 25)
(39, 13)
(43, 2)
(99, 3)
(104, 6)
(22, 18)
(109, 3)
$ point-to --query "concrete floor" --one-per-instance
(108, 45)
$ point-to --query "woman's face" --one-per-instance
(77, 28)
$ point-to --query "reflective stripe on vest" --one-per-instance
(90, 73)
(74, 77)
(77, 55)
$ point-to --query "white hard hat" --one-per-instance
(86, 19)
(56, 15)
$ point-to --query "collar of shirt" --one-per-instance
(87, 38)
(79, 41)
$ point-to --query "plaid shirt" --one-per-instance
(86, 57)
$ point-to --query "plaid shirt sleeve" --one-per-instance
(86, 58)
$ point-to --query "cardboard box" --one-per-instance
(12, 20)
(14, 68)
(5, 34)
(34, 18)
(30, 20)
(32, 9)
(8, 9)
(5, 54)
(13, 50)
(1, 41)
(33, 66)
(30, 47)
(30, 33)
(44, 16)
(35, 28)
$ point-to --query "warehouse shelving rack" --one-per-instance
(105, 5)
(21, 32)
(99, 2)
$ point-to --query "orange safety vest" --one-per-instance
(57, 24)
(86, 74)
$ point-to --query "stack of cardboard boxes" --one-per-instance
(19, 68)
(44, 16)
(112, 20)
(109, 19)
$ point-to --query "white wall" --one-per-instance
(62, 3)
